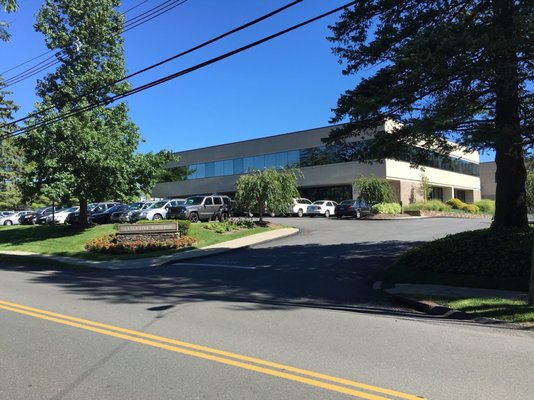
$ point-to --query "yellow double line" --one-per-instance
(319, 380)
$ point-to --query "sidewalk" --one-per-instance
(140, 263)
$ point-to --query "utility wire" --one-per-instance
(50, 51)
(130, 24)
(181, 54)
(173, 76)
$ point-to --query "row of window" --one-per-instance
(320, 155)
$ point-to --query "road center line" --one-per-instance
(211, 354)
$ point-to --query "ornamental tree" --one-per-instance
(374, 190)
(89, 155)
(443, 70)
(270, 188)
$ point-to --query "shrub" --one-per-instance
(471, 208)
(483, 252)
(432, 205)
(107, 244)
(457, 204)
(386, 208)
(486, 206)
(230, 225)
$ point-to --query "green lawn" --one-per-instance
(64, 240)
(502, 309)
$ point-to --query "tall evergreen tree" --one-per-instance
(91, 155)
(444, 69)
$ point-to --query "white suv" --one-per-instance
(300, 206)
(158, 210)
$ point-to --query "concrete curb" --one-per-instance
(440, 311)
(143, 263)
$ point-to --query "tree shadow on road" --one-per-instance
(331, 277)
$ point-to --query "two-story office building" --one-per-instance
(326, 173)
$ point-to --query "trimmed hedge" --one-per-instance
(386, 208)
(484, 252)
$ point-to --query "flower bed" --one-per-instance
(107, 244)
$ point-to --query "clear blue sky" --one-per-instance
(286, 85)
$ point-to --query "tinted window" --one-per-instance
(219, 168)
(210, 169)
(217, 200)
(226, 200)
(194, 200)
(158, 204)
(238, 166)
(208, 201)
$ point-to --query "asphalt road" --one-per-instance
(290, 319)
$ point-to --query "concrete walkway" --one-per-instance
(139, 263)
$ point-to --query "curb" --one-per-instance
(437, 310)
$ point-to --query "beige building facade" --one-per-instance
(327, 172)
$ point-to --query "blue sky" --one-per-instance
(288, 84)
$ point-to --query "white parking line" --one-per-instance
(213, 265)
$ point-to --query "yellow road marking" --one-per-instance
(136, 336)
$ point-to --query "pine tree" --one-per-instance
(443, 69)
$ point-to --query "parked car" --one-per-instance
(352, 208)
(104, 217)
(31, 219)
(125, 215)
(92, 208)
(157, 210)
(322, 207)
(239, 210)
(13, 219)
(61, 215)
(199, 208)
(299, 207)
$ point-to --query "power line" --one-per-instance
(136, 21)
(181, 54)
(50, 51)
(175, 75)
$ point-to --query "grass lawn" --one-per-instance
(479, 259)
(510, 310)
(64, 240)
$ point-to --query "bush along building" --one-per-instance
(327, 171)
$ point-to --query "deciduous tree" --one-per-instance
(270, 188)
(91, 155)
(11, 158)
(374, 190)
(442, 69)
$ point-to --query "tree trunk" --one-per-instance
(531, 286)
(83, 212)
(511, 175)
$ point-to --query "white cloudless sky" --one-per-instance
(288, 84)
